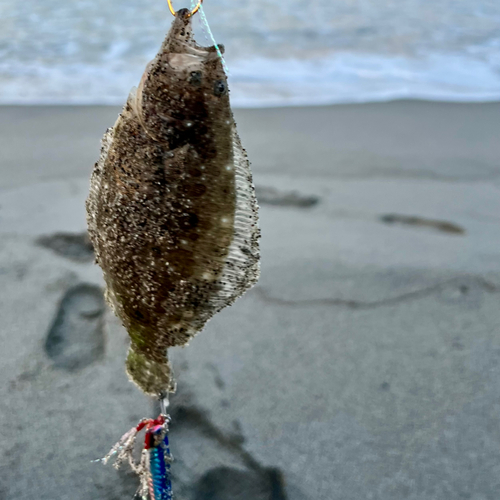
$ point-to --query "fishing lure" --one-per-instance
(154, 467)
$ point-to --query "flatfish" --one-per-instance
(172, 213)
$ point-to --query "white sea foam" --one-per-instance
(348, 77)
(261, 82)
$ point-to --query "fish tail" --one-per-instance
(152, 376)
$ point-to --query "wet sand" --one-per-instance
(366, 362)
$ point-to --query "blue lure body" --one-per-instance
(160, 484)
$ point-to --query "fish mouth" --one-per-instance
(181, 38)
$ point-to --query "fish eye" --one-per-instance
(220, 88)
(195, 78)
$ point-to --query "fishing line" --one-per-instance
(207, 32)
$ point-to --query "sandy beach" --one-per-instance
(364, 365)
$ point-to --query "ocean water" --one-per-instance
(279, 52)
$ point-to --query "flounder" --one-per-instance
(172, 213)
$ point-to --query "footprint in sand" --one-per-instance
(438, 225)
(73, 246)
(226, 483)
(76, 337)
(271, 196)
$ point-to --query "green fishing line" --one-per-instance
(209, 35)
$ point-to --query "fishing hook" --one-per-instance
(164, 402)
(192, 13)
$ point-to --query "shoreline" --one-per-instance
(361, 102)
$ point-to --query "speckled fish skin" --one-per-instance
(172, 212)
